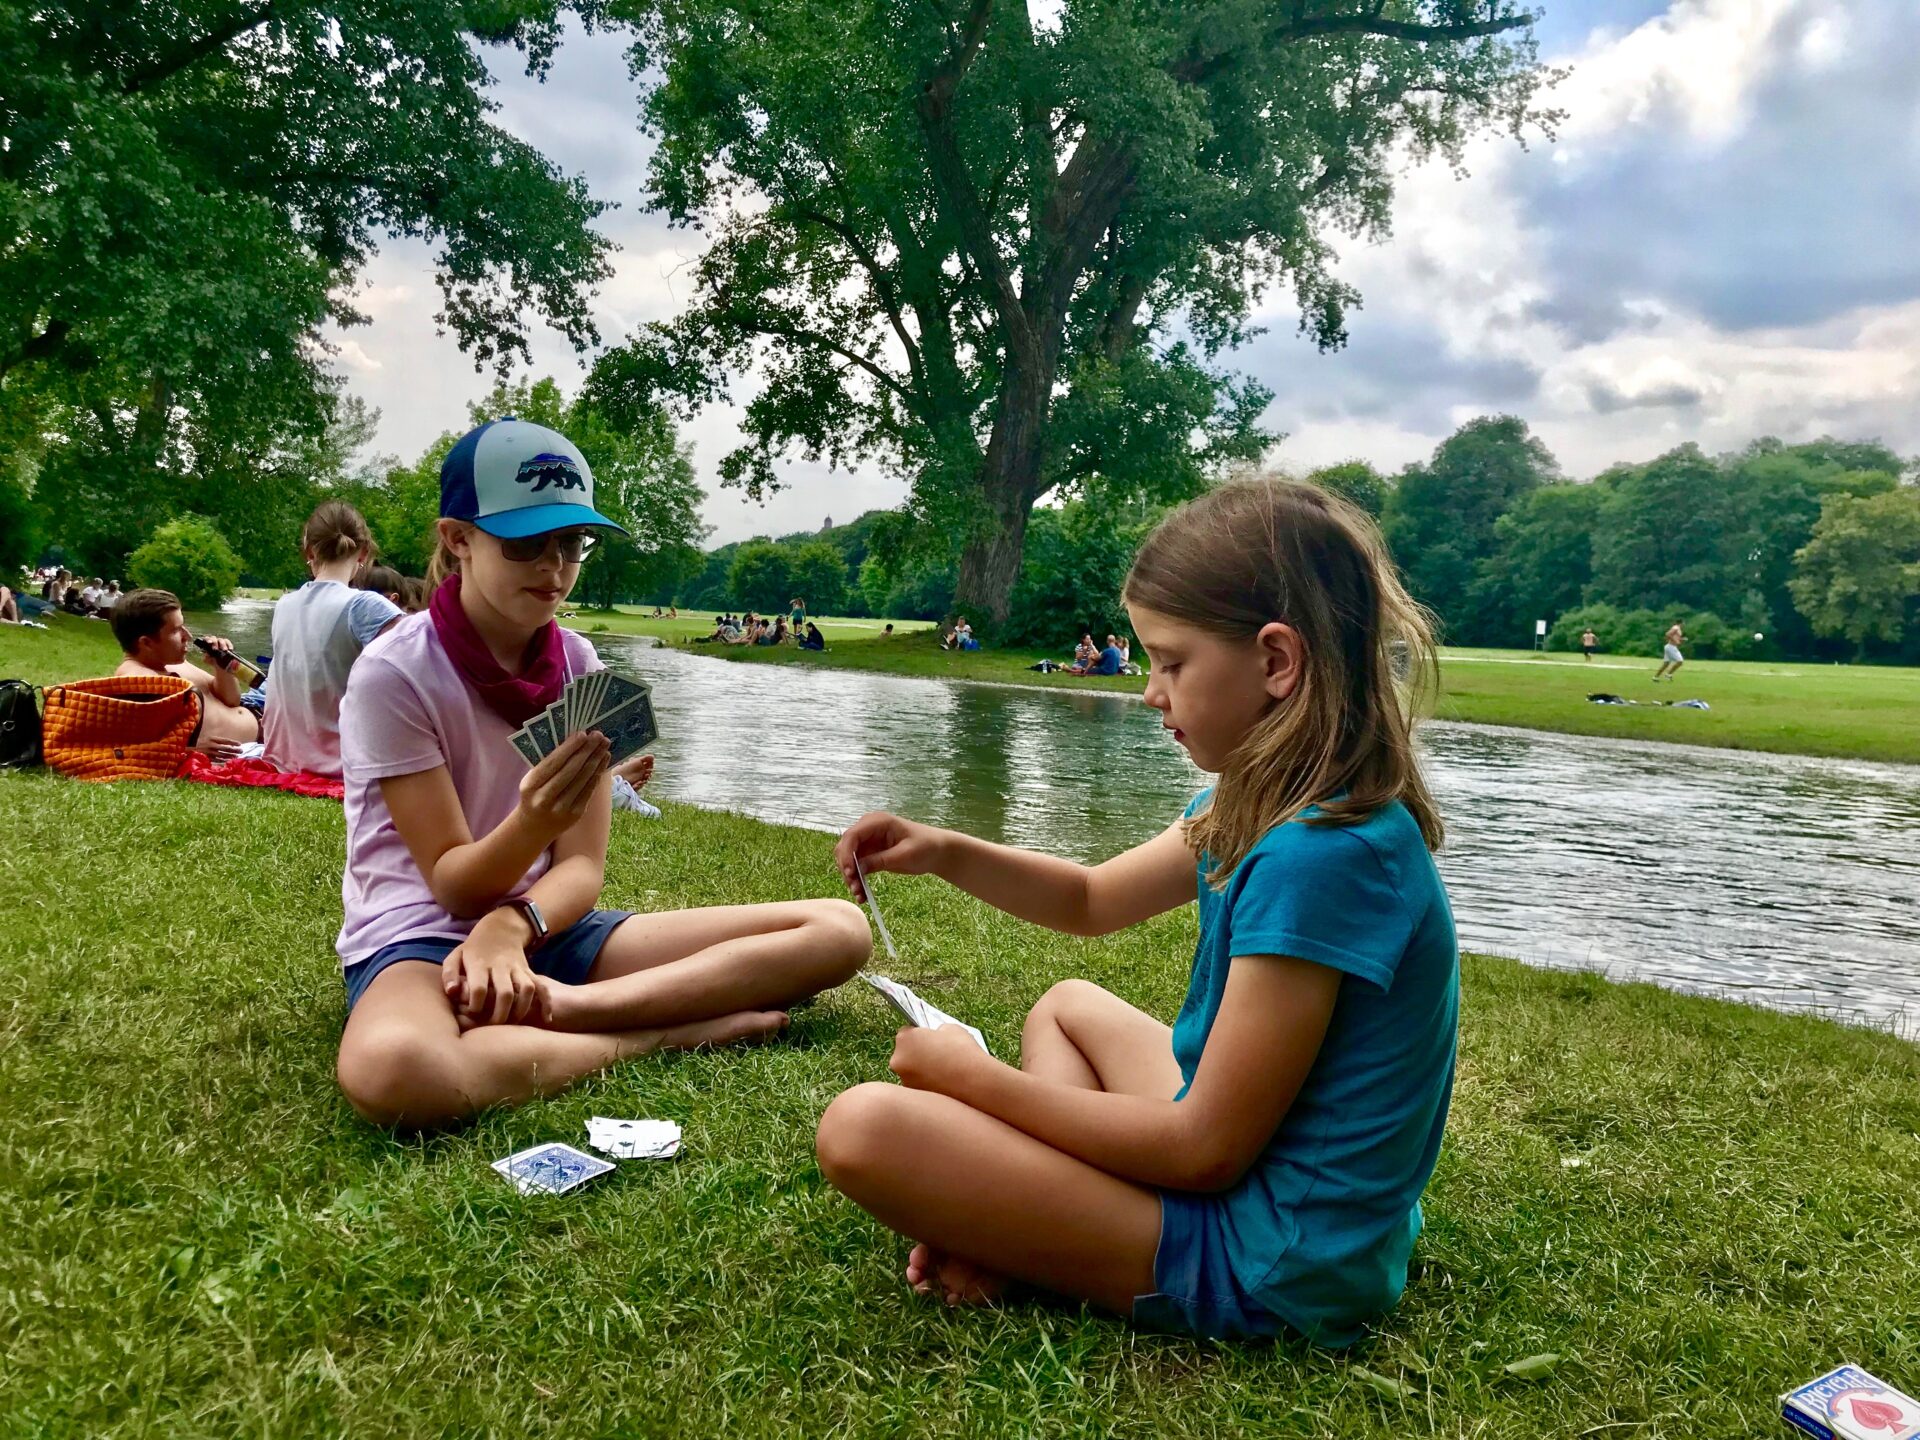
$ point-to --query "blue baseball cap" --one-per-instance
(513, 479)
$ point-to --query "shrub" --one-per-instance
(190, 558)
(1070, 577)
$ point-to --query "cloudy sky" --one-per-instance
(1720, 244)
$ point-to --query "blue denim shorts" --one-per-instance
(1195, 1291)
(566, 957)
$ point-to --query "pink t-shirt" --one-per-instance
(406, 710)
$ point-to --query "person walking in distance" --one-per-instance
(1672, 659)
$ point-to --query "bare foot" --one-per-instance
(739, 1027)
(954, 1280)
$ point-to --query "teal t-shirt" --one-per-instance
(1320, 1230)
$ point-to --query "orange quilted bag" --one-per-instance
(123, 727)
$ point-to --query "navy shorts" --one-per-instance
(566, 957)
(1195, 1290)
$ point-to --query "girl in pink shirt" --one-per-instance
(478, 969)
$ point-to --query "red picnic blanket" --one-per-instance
(258, 774)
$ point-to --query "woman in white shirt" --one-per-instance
(319, 630)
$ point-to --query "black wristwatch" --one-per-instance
(534, 918)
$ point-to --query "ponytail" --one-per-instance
(335, 532)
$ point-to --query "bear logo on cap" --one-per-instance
(547, 470)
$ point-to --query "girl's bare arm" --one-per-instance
(1044, 889)
(469, 877)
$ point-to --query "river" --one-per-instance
(1783, 880)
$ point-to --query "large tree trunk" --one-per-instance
(1009, 484)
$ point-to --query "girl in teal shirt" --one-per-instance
(1257, 1166)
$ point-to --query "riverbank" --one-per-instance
(1692, 1204)
(1857, 712)
(1849, 712)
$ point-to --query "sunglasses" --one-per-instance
(574, 545)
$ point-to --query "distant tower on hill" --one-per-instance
(826, 524)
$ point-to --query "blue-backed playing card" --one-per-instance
(550, 1169)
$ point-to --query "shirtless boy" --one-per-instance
(151, 630)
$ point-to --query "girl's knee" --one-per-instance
(845, 925)
(1063, 1000)
(862, 1129)
(394, 1076)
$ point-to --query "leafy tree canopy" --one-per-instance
(188, 191)
(1440, 517)
(1859, 576)
(1004, 260)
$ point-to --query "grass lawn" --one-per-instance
(1692, 1204)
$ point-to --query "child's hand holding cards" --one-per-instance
(620, 709)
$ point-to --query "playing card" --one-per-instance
(524, 743)
(540, 727)
(615, 691)
(596, 698)
(630, 727)
(634, 1139)
(550, 1169)
(874, 905)
(918, 1012)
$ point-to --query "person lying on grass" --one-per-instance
(1259, 1165)
(477, 968)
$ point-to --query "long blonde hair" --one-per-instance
(1256, 551)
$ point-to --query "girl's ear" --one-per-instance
(1284, 656)
(455, 535)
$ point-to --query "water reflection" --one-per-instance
(1791, 881)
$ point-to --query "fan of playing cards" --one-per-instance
(620, 709)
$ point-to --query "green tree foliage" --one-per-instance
(192, 559)
(1672, 533)
(817, 572)
(761, 576)
(190, 191)
(20, 537)
(1441, 517)
(1076, 561)
(1858, 578)
(1005, 260)
(1357, 481)
(1544, 561)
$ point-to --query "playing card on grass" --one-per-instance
(550, 1169)
(634, 1139)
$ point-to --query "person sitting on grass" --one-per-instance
(319, 631)
(960, 637)
(813, 639)
(154, 635)
(1259, 1166)
(9, 607)
(1084, 654)
(478, 970)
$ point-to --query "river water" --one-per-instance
(1783, 880)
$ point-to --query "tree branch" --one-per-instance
(954, 182)
(801, 335)
(43, 346)
(195, 50)
(1304, 27)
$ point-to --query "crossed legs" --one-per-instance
(678, 980)
(987, 1202)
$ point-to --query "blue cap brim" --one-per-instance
(540, 519)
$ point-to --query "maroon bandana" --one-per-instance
(514, 698)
